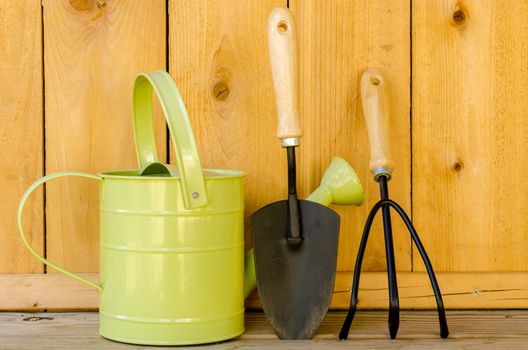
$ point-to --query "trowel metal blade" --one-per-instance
(295, 283)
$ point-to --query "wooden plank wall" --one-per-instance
(21, 131)
(92, 56)
(458, 92)
(337, 41)
(220, 63)
(470, 130)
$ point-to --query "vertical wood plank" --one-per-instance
(470, 132)
(218, 55)
(21, 131)
(338, 41)
(93, 51)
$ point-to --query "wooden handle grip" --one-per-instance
(375, 102)
(282, 40)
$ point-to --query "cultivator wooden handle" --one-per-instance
(282, 38)
(375, 102)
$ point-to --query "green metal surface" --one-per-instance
(339, 185)
(171, 262)
(194, 194)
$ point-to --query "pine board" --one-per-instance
(470, 82)
(21, 131)
(467, 125)
(219, 60)
(418, 330)
(92, 54)
(338, 40)
(505, 290)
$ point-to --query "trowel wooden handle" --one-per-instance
(375, 102)
(282, 40)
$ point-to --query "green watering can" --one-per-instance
(172, 240)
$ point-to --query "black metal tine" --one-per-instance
(394, 302)
(444, 329)
(386, 203)
(343, 334)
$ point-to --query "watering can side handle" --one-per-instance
(23, 201)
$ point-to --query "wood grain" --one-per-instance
(47, 291)
(93, 52)
(221, 65)
(469, 330)
(506, 290)
(460, 290)
(338, 40)
(91, 343)
(485, 290)
(21, 133)
(470, 131)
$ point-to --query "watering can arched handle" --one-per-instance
(189, 166)
(23, 201)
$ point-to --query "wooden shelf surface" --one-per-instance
(418, 330)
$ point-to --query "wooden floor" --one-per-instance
(418, 330)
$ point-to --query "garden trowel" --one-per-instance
(295, 241)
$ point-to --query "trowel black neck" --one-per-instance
(294, 232)
(292, 171)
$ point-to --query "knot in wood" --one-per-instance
(220, 90)
(458, 166)
(459, 17)
(81, 5)
(87, 5)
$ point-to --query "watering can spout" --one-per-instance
(250, 279)
(339, 185)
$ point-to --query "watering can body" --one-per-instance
(171, 275)
(171, 243)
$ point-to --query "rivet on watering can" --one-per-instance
(476, 292)
(195, 195)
